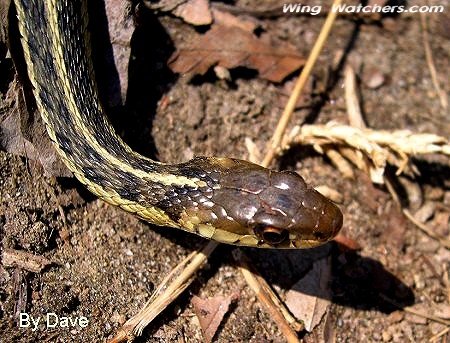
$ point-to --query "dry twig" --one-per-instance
(413, 311)
(276, 309)
(446, 282)
(439, 335)
(351, 99)
(301, 81)
(444, 241)
(172, 288)
(24, 260)
(280, 314)
(430, 61)
(169, 289)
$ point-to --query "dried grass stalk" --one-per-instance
(379, 147)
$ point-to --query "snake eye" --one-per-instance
(271, 235)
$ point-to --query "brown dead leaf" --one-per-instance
(24, 135)
(22, 132)
(115, 63)
(346, 243)
(12, 140)
(395, 233)
(210, 313)
(308, 299)
(195, 12)
(231, 47)
(227, 19)
(371, 196)
(163, 5)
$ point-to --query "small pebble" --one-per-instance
(376, 336)
(222, 73)
(419, 282)
(428, 245)
(395, 317)
(413, 191)
(447, 198)
(386, 336)
(435, 328)
(118, 318)
(373, 78)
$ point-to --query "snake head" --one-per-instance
(258, 207)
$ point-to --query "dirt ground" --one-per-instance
(105, 262)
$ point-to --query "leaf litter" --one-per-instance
(309, 298)
(231, 47)
(210, 313)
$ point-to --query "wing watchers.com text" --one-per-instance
(292, 8)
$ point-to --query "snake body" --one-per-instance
(223, 199)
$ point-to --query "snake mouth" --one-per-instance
(271, 235)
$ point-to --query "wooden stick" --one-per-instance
(300, 84)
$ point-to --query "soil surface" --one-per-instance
(105, 262)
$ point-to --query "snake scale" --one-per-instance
(227, 200)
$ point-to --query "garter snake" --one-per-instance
(223, 199)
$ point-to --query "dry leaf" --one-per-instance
(308, 299)
(210, 313)
(195, 12)
(164, 5)
(115, 64)
(395, 233)
(346, 243)
(231, 47)
(24, 135)
(227, 19)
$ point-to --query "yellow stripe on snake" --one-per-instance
(227, 200)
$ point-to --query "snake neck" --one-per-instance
(56, 44)
(57, 52)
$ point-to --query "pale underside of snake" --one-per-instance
(227, 200)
